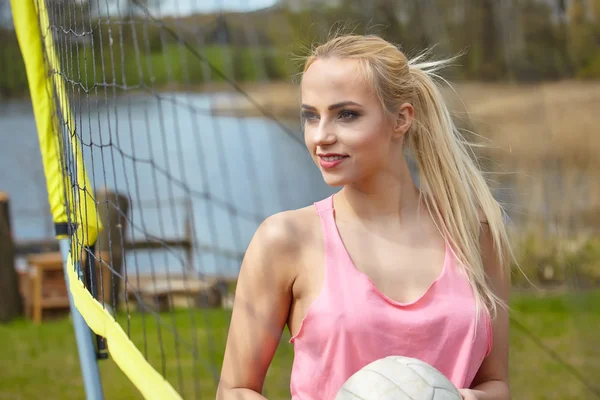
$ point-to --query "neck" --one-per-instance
(390, 196)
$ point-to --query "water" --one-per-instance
(161, 152)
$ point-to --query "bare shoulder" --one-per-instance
(283, 231)
(281, 239)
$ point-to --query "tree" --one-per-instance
(483, 39)
(581, 38)
(541, 58)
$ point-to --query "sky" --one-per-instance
(202, 6)
(171, 7)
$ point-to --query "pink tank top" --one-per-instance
(351, 323)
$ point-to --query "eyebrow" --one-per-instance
(333, 106)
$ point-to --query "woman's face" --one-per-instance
(348, 133)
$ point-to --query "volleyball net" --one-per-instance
(158, 188)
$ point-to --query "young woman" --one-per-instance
(382, 267)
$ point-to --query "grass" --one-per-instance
(173, 66)
(565, 325)
(41, 361)
(167, 68)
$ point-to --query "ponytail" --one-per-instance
(453, 187)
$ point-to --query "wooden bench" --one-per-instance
(161, 295)
(45, 285)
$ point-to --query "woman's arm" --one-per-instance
(260, 311)
(491, 381)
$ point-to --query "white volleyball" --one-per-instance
(398, 378)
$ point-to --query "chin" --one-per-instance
(335, 184)
(334, 181)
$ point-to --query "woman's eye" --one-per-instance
(346, 114)
(308, 116)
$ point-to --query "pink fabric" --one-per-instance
(351, 323)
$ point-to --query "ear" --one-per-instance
(403, 119)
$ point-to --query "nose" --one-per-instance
(323, 134)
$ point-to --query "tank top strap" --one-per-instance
(323, 206)
(324, 209)
(335, 252)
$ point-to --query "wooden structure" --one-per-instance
(43, 285)
(44, 288)
(11, 304)
(25, 247)
(113, 209)
(162, 294)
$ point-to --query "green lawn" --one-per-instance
(40, 362)
(175, 65)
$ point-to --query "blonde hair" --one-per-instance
(451, 184)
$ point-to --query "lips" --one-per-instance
(331, 160)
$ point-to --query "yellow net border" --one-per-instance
(35, 39)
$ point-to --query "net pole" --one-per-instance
(83, 335)
(29, 34)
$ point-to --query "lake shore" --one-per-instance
(534, 120)
(526, 135)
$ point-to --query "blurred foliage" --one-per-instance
(516, 40)
(13, 80)
(549, 261)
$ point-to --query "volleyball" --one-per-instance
(398, 378)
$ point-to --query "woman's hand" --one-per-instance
(467, 394)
